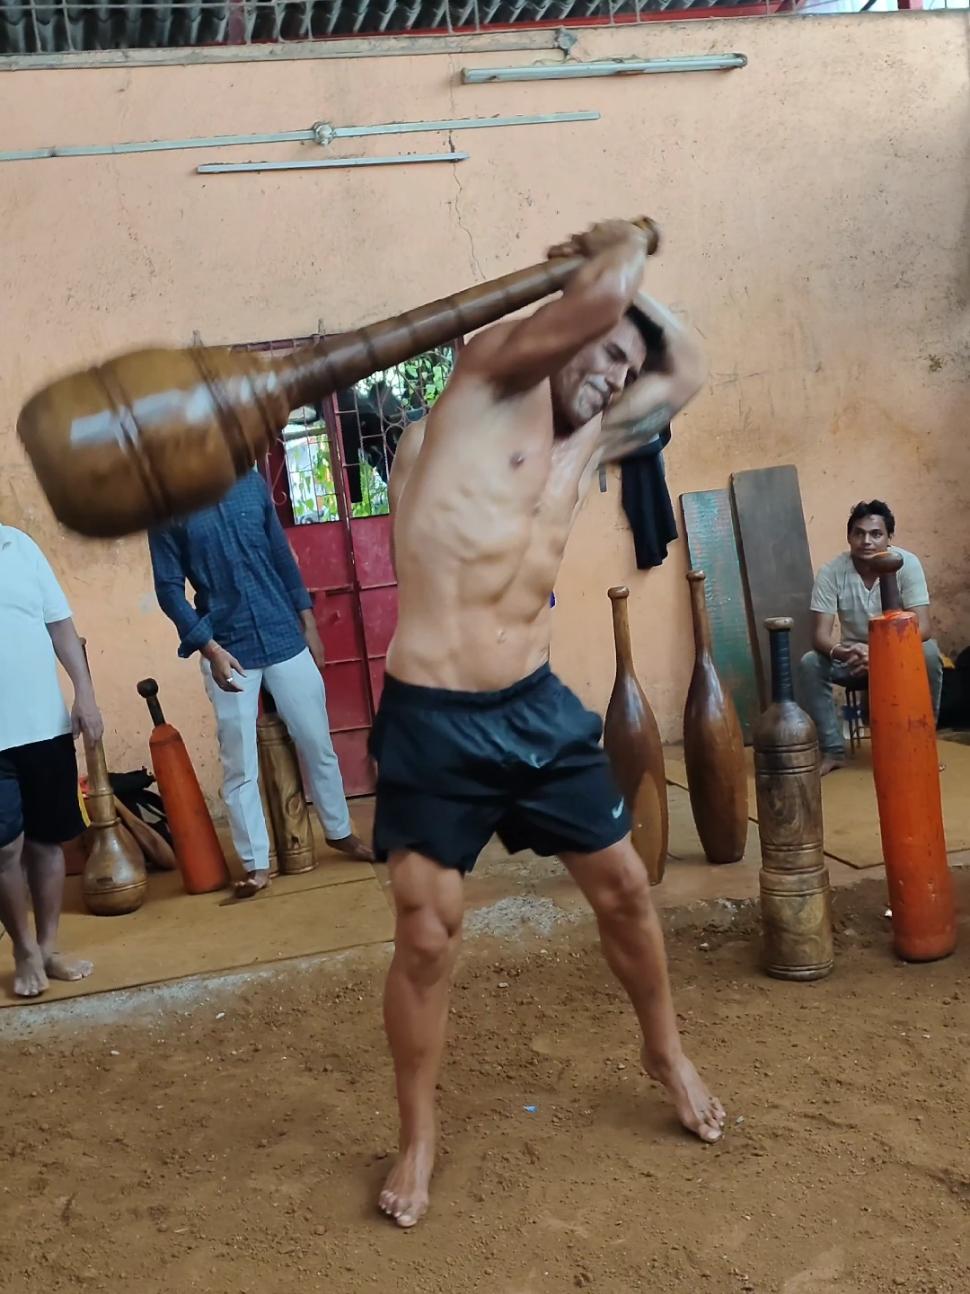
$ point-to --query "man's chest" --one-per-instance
(572, 470)
(856, 602)
(224, 538)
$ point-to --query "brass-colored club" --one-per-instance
(796, 906)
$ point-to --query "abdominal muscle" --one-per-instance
(472, 620)
(477, 545)
(472, 623)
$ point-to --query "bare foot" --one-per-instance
(829, 764)
(29, 978)
(697, 1110)
(405, 1195)
(253, 884)
(353, 847)
(67, 968)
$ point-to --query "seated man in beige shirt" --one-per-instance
(846, 589)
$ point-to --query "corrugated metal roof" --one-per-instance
(61, 26)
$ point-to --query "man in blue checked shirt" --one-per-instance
(252, 625)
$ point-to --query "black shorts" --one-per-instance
(39, 792)
(454, 768)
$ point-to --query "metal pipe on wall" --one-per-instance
(321, 132)
(604, 67)
(331, 164)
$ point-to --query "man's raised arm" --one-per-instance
(674, 373)
(518, 356)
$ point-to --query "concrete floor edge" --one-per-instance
(151, 1003)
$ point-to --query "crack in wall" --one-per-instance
(473, 255)
(457, 203)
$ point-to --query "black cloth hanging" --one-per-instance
(646, 501)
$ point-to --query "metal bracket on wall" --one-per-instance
(331, 164)
(321, 132)
(604, 67)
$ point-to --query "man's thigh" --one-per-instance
(612, 877)
(49, 790)
(419, 882)
(429, 903)
(11, 805)
(296, 685)
(931, 654)
(236, 714)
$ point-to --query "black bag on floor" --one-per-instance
(132, 790)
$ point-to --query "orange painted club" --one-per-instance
(907, 776)
(197, 849)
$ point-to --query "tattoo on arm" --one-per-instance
(625, 437)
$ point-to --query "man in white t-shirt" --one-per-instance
(39, 808)
(847, 589)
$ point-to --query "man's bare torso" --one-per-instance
(483, 498)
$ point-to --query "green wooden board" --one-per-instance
(775, 560)
(712, 548)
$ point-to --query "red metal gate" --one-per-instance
(345, 559)
(346, 566)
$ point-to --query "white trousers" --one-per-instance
(297, 688)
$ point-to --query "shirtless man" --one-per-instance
(474, 735)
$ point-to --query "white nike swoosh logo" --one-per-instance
(618, 810)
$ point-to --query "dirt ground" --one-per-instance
(242, 1154)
